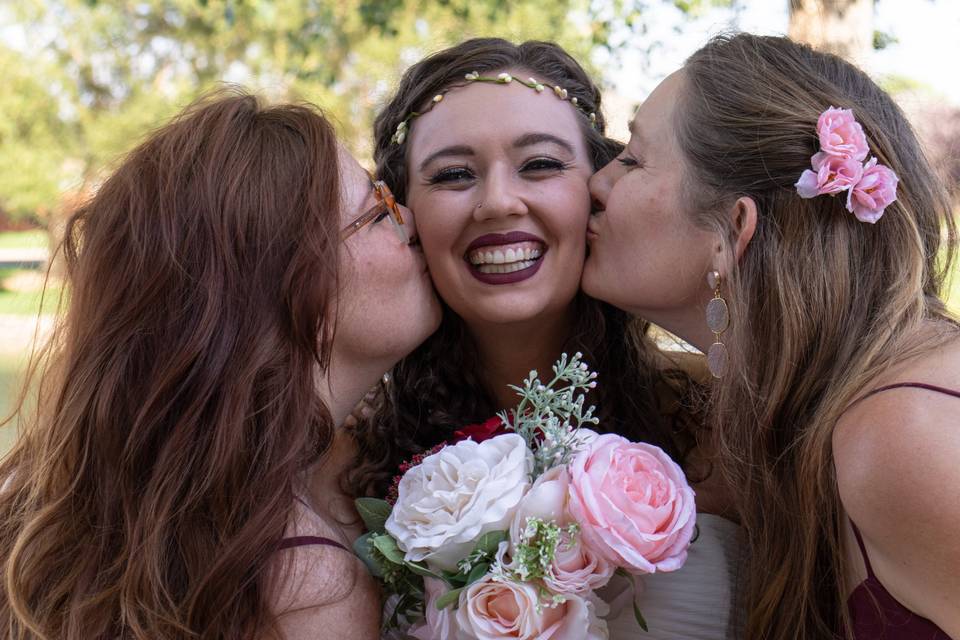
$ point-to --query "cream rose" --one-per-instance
(456, 495)
(492, 609)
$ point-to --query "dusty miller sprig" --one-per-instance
(550, 415)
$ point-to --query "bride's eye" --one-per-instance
(451, 175)
(543, 165)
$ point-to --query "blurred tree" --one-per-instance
(843, 27)
(102, 73)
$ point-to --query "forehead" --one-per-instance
(483, 114)
(652, 122)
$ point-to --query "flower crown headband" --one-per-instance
(839, 166)
(504, 78)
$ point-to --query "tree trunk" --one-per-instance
(843, 27)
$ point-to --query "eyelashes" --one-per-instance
(533, 168)
(630, 163)
(450, 175)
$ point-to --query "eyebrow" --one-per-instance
(530, 139)
(453, 150)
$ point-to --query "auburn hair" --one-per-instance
(177, 404)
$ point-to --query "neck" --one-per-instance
(345, 382)
(508, 352)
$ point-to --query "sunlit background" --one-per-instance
(84, 80)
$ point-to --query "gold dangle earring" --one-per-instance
(718, 319)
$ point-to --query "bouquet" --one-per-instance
(510, 532)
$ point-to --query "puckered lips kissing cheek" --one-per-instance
(505, 258)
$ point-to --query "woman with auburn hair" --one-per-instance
(774, 208)
(234, 288)
(492, 143)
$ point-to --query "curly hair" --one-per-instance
(439, 387)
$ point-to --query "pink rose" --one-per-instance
(576, 567)
(633, 504)
(873, 192)
(831, 174)
(841, 135)
(491, 608)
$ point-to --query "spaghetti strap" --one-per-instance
(863, 550)
(902, 385)
(303, 541)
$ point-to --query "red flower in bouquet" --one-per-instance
(482, 431)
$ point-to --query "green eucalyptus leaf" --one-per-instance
(374, 513)
(450, 597)
(478, 571)
(639, 617)
(361, 547)
(489, 542)
(421, 570)
(386, 545)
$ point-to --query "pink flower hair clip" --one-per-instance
(839, 166)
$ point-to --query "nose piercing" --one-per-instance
(480, 206)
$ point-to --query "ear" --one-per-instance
(743, 222)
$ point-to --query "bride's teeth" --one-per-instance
(505, 256)
(506, 268)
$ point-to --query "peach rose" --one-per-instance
(633, 504)
(492, 609)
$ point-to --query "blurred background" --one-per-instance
(84, 80)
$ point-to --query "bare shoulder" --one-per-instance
(322, 587)
(895, 455)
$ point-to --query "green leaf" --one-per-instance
(620, 571)
(421, 570)
(478, 571)
(450, 597)
(489, 542)
(386, 545)
(361, 547)
(639, 617)
(374, 513)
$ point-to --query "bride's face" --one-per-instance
(646, 254)
(498, 180)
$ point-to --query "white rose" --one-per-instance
(456, 495)
(491, 609)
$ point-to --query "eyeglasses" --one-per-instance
(386, 206)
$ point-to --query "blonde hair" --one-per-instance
(819, 301)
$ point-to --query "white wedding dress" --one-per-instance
(697, 602)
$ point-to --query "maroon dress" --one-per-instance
(874, 613)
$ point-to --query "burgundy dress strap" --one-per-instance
(911, 385)
(303, 541)
(863, 550)
(875, 613)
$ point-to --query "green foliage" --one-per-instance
(94, 77)
(550, 415)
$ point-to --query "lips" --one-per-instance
(504, 258)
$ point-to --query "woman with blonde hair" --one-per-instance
(774, 208)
